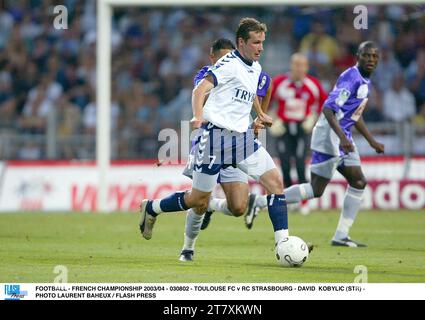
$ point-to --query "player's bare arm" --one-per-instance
(264, 102)
(198, 99)
(364, 131)
(345, 144)
(261, 115)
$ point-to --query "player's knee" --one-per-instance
(318, 192)
(200, 207)
(276, 185)
(238, 209)
(359, 184)
(198, 202)
(200, 210)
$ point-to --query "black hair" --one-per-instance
(366, 45)
(222, 43)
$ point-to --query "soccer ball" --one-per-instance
(291, 252)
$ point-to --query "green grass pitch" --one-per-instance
(109, 248)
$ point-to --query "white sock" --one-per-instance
(351, 206)
(193, 226)
(299, 192)
(220, 205)
(261, 201)
(280, 234)
(156, 206)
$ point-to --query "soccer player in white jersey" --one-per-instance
(225, 138)
(238, 200)
(333, 146)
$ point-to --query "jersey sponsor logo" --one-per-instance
(244, 96)
(343, 96)
(363, 91)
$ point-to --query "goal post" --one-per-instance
(103, 65)
(103, 102)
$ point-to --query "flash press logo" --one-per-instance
(13, 292)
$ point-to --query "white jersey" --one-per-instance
(235, 85)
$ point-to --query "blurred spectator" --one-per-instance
(6, 24)
(155, 53)
(319, 46)
(345, 59)
(399, 102)
(41, 100)
(180, 108)
(419, 120)
(373, 111)
(7, 101)
(69, 117)
(388, 68)
(90, 117)
(30, 151)
(416, 77)
(279, 47)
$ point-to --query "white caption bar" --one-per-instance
(210, 291)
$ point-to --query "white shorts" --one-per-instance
(254, 166)
(231, 174)
(325, 165)
(257, 164)
(227, 175)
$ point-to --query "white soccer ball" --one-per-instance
(291, 252)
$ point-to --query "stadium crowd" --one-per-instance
(156, 52)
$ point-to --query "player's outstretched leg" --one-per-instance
(193, 226)
(215, 204)
(352, 201)
(254, 205)
(238, 201)
(252, 211)
(261, 202)
(150, 209)
(207, 219)
(307, 191)
(147, 221)
(179, 201)
(299, 192)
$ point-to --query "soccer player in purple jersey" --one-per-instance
(332, 144)
(234, 182)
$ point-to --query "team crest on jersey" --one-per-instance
(363, 91)
(343, 96)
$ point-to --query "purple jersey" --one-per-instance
(263, 81)
(348, 100)
(200, 75)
